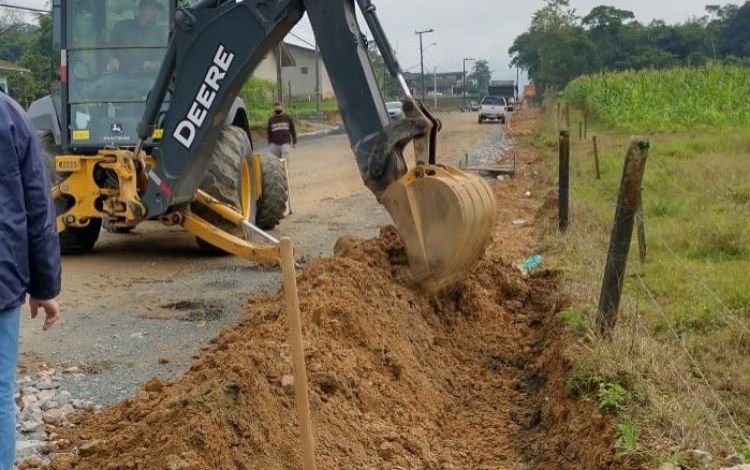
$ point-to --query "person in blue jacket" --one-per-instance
(29, 253)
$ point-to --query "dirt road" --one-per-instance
(152, 294)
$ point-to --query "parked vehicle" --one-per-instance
(395, 109)
(493, 108)
(475, 106)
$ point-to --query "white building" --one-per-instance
(298, 67)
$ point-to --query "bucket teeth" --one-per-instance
(445, 218)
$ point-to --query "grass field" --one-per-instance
(676, 374)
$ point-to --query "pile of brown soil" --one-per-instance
(468, 379)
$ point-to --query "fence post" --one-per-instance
(580, 131)
(640, 221)
(622, 234)
(596, 159)
(564, 180)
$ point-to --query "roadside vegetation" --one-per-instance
(675, 375)
(681, 98)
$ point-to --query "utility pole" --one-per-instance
(317, 78)
(421, 57)
(279, 80)
(434, 90)
(463, 85)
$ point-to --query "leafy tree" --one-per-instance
(29, 46)
(480, 77)
(735, 39)
(559, 45)
(388, 84)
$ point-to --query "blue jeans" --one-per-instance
(9, 324)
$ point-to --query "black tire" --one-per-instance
(72, 240)
(223, 180)
(481, 119)
(272, 203)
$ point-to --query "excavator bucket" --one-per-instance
(445, 218)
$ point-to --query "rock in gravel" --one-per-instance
(29, 391)
(64, 397)
(287, 383)
(45, 395)
(46, 384)
(28, 400)
(27, 448)
(50, 405)
(32, 426)
(55, 417)
(154, 385)
(163, 360)
(91, 447)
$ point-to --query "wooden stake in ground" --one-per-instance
(298, 353)
(622, 234)
(596, 159)
(564, 180)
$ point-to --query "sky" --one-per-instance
(486, 28)
(482, 29)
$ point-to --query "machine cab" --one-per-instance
(111, 51)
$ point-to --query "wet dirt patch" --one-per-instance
(196, 310)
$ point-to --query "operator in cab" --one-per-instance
(141, 31)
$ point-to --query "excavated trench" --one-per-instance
(469, 379)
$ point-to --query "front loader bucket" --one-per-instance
(445, 218)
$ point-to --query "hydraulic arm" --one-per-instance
(444, 216)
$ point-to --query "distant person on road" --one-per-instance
(282, 135)
(29, 253)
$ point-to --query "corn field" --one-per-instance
(654, 100)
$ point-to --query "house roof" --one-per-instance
(11, 67)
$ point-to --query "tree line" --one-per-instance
(561, 45)
(29, 46)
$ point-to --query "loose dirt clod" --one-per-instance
(398, 379)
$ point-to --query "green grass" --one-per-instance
(698, 270)
(683, 98)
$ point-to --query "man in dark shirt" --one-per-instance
(140, 31)
(29, 253)
(282, 135)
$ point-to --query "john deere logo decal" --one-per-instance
(116, 128)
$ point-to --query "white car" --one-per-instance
(395, 109)
(493, 108)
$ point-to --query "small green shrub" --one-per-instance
(627, 437)
(581, 381)
(574, 318)
(612, 397)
